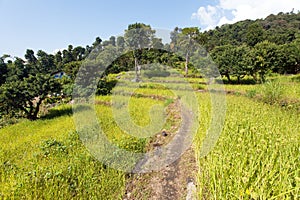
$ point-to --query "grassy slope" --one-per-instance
(290, 86)
(257, 155)
(45, 158)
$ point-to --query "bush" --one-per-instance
(5, 121)
(152, 86)
(296, 78)
(106, 84)
(272, 92)
(251, 93)
(156, 73)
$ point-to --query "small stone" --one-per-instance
(157, 144)
(164, 133)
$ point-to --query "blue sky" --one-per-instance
(54, 24)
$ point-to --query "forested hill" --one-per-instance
(279, 29)
(246, 48)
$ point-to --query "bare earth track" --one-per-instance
(171, 182)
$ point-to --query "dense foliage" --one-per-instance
(254, 48)
(273, 44)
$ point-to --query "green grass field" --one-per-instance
(256, 156)
(290, 86)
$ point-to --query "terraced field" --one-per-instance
(256, 156)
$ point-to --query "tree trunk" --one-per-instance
(228, 77)
(254, 77)
(262, 77)
(37, 109)
(187, 60)
(136, 66)
(34, 110)
(238, 79)
(30, 115)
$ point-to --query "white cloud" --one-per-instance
(207, 16)
(211, 16)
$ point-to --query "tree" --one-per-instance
(186, 41)
(58, 60)
(28, 85)
(232, 61)
(138, 37)
(112, 40)
(222, 56)
(264, 59)
(95, 49)
(27, 95)
(17, 70)
(3, 70)
(192, 34)
(71, 69)
(241, 62)
(289, 58)
(45, 63)
(157, 43)
(255, 34)
(107, 56)
(78, 53)
(120, 43)
(30, 57)
(97, 44)
(98, 41)
(174, 38)
(67, 56)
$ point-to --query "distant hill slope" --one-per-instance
(280, 29)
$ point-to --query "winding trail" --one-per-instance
(172, 181)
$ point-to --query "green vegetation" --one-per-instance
(46, 158)
(257, 154)
(279, 90)
(245, 49)
(255, 157)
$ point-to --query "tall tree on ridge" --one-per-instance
(187, 40)
(138, 37)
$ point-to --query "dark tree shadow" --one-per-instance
(55, 112)
(236, 82)
(58, 112)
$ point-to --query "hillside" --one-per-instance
(133, 118)
(256, 156)
(280, 29)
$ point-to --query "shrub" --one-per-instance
(296, 78)
(156, 73)
(272, 92)
(106, 84)
(251, 93)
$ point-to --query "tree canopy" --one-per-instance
(250, 47)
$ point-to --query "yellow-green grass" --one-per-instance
(290, 87)
(256, 156)
(139, 112)
(165, 93)
(45, 159)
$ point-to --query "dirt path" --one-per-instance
(171, 182)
